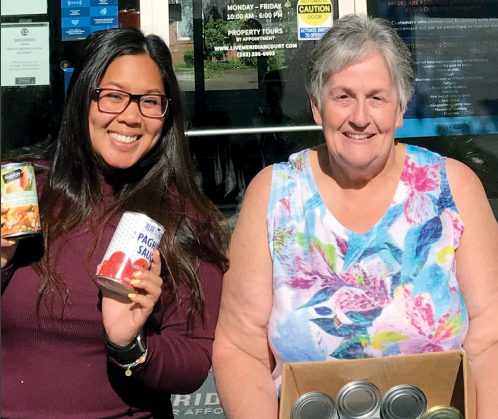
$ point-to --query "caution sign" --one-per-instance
(314, 18)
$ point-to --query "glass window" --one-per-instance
(185, 26)
(241, 65)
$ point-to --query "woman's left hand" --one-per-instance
(124, 317)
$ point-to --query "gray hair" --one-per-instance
(351, 38)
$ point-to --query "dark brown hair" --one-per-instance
(160, 185)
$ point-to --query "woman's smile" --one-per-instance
(125, 139)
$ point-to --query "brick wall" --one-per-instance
(178, 47)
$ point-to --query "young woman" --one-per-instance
(68, 347)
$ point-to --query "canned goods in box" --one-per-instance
(358, 399)
(314, 405)
(135, 239)
(442, 412)
(403, 401)
(19, 196)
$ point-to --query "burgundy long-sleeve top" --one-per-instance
(54, 364)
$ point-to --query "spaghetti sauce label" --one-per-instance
(131, 247)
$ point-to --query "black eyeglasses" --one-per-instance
(151, 105)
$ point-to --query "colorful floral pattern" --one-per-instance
(393, 290)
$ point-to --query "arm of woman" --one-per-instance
(242, 360)
(477, 271)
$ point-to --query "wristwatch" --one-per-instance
(129, 353)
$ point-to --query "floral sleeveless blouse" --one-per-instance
(339, 294)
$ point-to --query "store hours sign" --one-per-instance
(259, 28)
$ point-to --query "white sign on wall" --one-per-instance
(24, 7)
(25, 54)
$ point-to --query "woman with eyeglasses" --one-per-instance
(69, 348)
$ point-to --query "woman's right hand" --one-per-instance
(9, 246)
(8, 249)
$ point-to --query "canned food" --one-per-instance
(314, 405)
(22, 217)
(443, 412)
(358, 400)
(403, 401)
(135, 239)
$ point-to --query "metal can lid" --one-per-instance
(314, 405)
(159, 226)
(403, 401)
(443, 412)
(358, 399)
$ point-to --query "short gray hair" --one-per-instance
(353, 37)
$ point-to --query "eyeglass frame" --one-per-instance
(132, 98)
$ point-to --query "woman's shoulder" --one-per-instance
(285, 175)
(464, 182)
(295, 162)
(277, 173)
(274, 181)
(455, 169)
(422, 155)
(259, 187)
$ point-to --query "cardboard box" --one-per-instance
(444, 377)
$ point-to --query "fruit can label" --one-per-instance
(20, 212)
(131, 247)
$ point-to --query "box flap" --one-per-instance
(470, 389)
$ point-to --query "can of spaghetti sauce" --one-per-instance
(20, 212)
(131, 247)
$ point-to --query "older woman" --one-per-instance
(360, 247)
